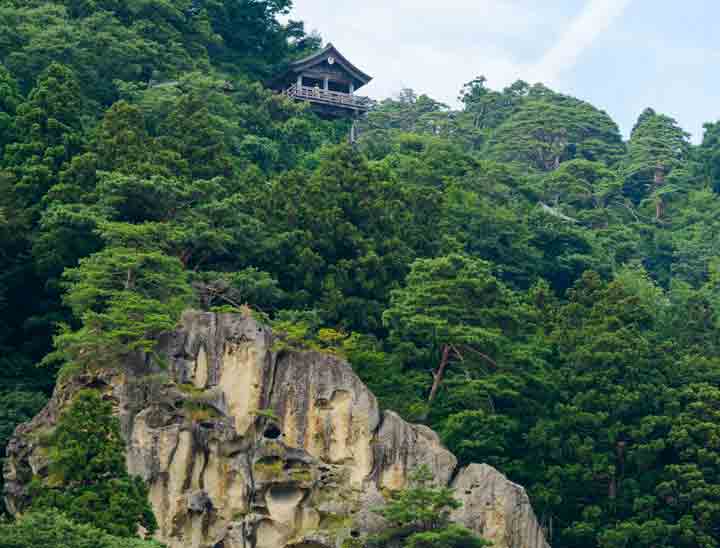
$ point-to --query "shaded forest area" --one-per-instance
(514, 274)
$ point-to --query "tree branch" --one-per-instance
(485, 357)
(438, 376)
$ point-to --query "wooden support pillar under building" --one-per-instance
(353, 132)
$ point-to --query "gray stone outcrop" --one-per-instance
(245, 443)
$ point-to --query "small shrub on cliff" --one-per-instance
(87, 479)
(419, 517)
(302, 330)
(452, 536)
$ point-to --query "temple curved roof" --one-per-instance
(321, 58)
(324, 54)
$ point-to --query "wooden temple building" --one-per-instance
(328, 81)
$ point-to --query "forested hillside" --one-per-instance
(514, 274)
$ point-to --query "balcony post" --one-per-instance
(326, 83)
(352, 88)
(299, 81)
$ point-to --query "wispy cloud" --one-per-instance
(591, 23)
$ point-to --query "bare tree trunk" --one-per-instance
(658, 181)
(184, 257)
(619, 473)
(129, 280)
(440, 373)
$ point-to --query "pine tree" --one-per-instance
(657, 147)
(456, 304)
(549, 128)
(87, 478)
(125, 297)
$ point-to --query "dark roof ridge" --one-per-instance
(312, 56)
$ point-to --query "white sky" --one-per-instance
(614, 53)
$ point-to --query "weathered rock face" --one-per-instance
(248, 446)
(495, 508)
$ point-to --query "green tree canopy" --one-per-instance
(125, 297)
(456, 305)
(657, 148)
(549, 129)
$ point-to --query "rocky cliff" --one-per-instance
(245, 444)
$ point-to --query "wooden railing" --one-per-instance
(337, 98)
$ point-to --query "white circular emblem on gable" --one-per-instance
(331, 60)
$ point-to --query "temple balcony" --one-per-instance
(327, 97)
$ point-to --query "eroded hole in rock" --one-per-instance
(354, 534)
(284, 494)
(272, 432)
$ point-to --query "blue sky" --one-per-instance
(621, 55)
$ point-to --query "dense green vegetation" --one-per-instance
(51, 528)
(513, 273)
(87, 479)
(88, 499)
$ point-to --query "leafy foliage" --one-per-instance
(87, 479)
(550, 128)
(51, 528)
